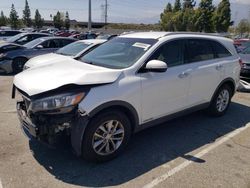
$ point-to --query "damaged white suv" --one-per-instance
(127, 84)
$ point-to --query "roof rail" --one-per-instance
(193, 33)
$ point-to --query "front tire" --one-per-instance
(221, 101)
(18, 63)
(106, 136)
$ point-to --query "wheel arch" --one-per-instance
(227, 81)
(123, 106)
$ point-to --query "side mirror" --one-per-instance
(156, 66)
(39, 47)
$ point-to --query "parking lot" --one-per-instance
(192, 151)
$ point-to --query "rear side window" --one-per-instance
(199, 50)
(51, 44)
(65, 42)
(220, 50)
(172, 53)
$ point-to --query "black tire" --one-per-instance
(88, 151)
(18, 63)
(213, 109)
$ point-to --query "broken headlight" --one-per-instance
(56, 102)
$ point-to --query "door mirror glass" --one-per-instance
(156, 66)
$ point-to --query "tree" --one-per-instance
(67, 21)
(13, 17)
(26, 15)
(243, 27)
(58, 20)
(177, 6)
(222, 17)
(188, 4)
(38, 21)
(205, 16)
(3, 19)
(166, 21)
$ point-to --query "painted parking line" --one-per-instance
(183, 165)
(1, 185)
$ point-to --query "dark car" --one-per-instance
(84, 36)
(14, 60)
(245, 59)
(24, 38)
(5, 34)
(106, 36)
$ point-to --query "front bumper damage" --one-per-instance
(47, 128)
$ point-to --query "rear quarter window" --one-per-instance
(220, 50)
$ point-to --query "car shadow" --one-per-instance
(147, 150)
(6, 74)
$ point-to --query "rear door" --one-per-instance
(207, 70)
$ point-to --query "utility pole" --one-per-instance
(90, 22)
(106, 13)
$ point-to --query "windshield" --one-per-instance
(119, 53)
(34, 43)
(73, 48)
(16, 37)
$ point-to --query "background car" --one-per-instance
(245, 58)
(5, 34)
(24, 38)
(106, 36)
(74, 50)
(84, 36)
(13, 61)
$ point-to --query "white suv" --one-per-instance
(127, 84)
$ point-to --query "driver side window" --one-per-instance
(49, 44)
(172, 53)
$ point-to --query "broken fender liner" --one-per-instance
(77, 131)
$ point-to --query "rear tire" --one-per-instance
(18, 63)
(106, 136)
(220, 101)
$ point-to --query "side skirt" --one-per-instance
(171, 116)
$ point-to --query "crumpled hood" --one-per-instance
(48, 77)
(245, 58)
(45, 60)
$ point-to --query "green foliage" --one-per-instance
(14, 22)
(205, 18)
(243, 27)
(67, 21)
(3, 19)
(58, 20)
(222, 16)
(205, 22)
(188, 4)
(177, 6)
(26, 15)
(38, 21)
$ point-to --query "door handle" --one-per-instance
(219, 67)
(183, 75)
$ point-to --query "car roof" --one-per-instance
(93, 41)
(158, 35)
(145, 35)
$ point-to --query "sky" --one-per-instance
(121, 11)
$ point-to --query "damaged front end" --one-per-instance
(48, 116)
